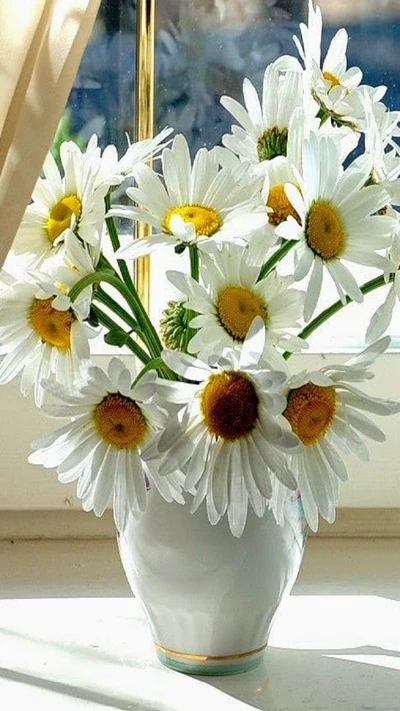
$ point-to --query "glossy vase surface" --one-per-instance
(209, 597)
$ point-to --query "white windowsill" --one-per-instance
(71, 636)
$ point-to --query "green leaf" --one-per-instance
(116, 337)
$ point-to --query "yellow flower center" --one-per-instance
(53, 327)
(120, 422)
(205, 220)
(280, 205)
(229, 405)
(237, 307)
(332, 78)
(324, 231)
(61, 215)
(311, 411)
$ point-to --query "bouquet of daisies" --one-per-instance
(209, 402)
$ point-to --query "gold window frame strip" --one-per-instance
(144, 119)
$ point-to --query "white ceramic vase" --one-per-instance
(210, 598)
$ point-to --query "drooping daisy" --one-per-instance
(333, 86)
(326, 412)
(199, 204)
(230, 300)
(382, 317)
(264, 126)
(39, 340)
(72, 202)
(382, 153)
(74, 262)
(336, 212)
(229, 439)
(102, 446)
(382, 160)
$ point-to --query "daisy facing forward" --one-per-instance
(230, 300)
(39, 339)
(335, 213)
(199, 204)
(103, 445)
(229, 439)
(326, 412)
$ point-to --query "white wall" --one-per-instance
(24, 486)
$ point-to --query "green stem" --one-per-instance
(114, 238)
(148, 332)
(130, 343)
(108, 301)
(276, 257)
(194, 262)
(337, 306)
(195, 274)
(158, 365)
(98, 277)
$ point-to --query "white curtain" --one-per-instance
(41, 45)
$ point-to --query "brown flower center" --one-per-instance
(120, 421)
(311, 410)
(229, 405)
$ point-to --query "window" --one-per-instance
(204, 48)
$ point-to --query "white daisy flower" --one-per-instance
(103, 445)
(231, 299)
(39, 340)
(264, 237)
(264, 126)
(113, 170)
(62, 204)
(333, 86)
(325, 411)
(199, 204)
(381, 160)
(382, 153)
(336, 213)
(382, 317)
(77, 261)
(229, 439)
(284, 169)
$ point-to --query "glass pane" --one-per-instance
(102, 98)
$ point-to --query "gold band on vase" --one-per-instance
(207, 657)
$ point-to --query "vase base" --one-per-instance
(199, 664)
